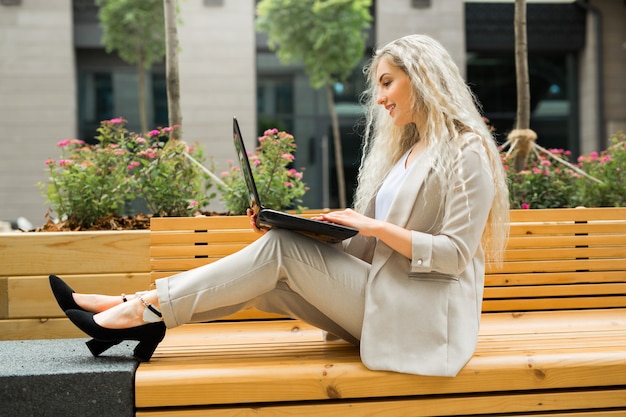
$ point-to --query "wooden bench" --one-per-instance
(552, 340)
(105, 262)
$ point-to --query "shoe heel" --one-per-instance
(144, 350)
(97, 347)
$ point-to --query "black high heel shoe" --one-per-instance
(149, 335)
(63, 294)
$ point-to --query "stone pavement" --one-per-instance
(60, 377)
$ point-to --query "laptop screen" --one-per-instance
(246, 171)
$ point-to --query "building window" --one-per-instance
(552, 95)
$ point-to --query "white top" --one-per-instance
(390, 187)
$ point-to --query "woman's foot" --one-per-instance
(137, 319)
(68, 299)
(136, 312)
(96, 303)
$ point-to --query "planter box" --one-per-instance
(108, 262)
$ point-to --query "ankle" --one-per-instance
(150, 313)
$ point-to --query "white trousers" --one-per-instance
(282, 272)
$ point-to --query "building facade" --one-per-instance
(56, 81)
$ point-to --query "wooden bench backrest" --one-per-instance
(561, 259)
(555, 258)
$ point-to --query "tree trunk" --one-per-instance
(141, 77)
(341, 182)
(522, 138)
(521, 67)
(175, 117)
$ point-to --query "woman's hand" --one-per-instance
(396, 237)
(252, 217)
(351, 218)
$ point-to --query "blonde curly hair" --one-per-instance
(449, 111)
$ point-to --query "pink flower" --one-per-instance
(154, 133)
(288, 156)
(192, 204)
(65, 163)
(116, 120)
(256, 162)
(132, 165)
(224, 174)
(288, 184)
(148, 153)
(537, 170)
(546, 163)
(140, 140)
(605, 159)
(525, 206)
(70, 142)
(50, 162)
(294, 174)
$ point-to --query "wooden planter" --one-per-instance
(108, 262)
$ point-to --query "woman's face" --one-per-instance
(394, 92)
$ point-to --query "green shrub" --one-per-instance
(545, 183)
(609, 167)
(280, 186)
(90, 182)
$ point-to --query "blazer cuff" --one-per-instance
(422, 249)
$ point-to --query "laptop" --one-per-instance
(268, 218)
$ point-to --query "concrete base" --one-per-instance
(61, 378)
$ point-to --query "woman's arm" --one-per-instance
(396, 237)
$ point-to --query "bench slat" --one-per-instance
(551, 241)
(562, 266)
(426, 406)
(533, 304)
(571, 214)
(539, 229)
(191, 251)
(538, 278)
(211, 236)
(568, 253)
(570, 290)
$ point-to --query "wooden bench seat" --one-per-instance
(240, 368)
(552, 339)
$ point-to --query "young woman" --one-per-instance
(431, 204)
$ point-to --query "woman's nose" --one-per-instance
(380, 99)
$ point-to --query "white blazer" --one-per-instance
(422, 315)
